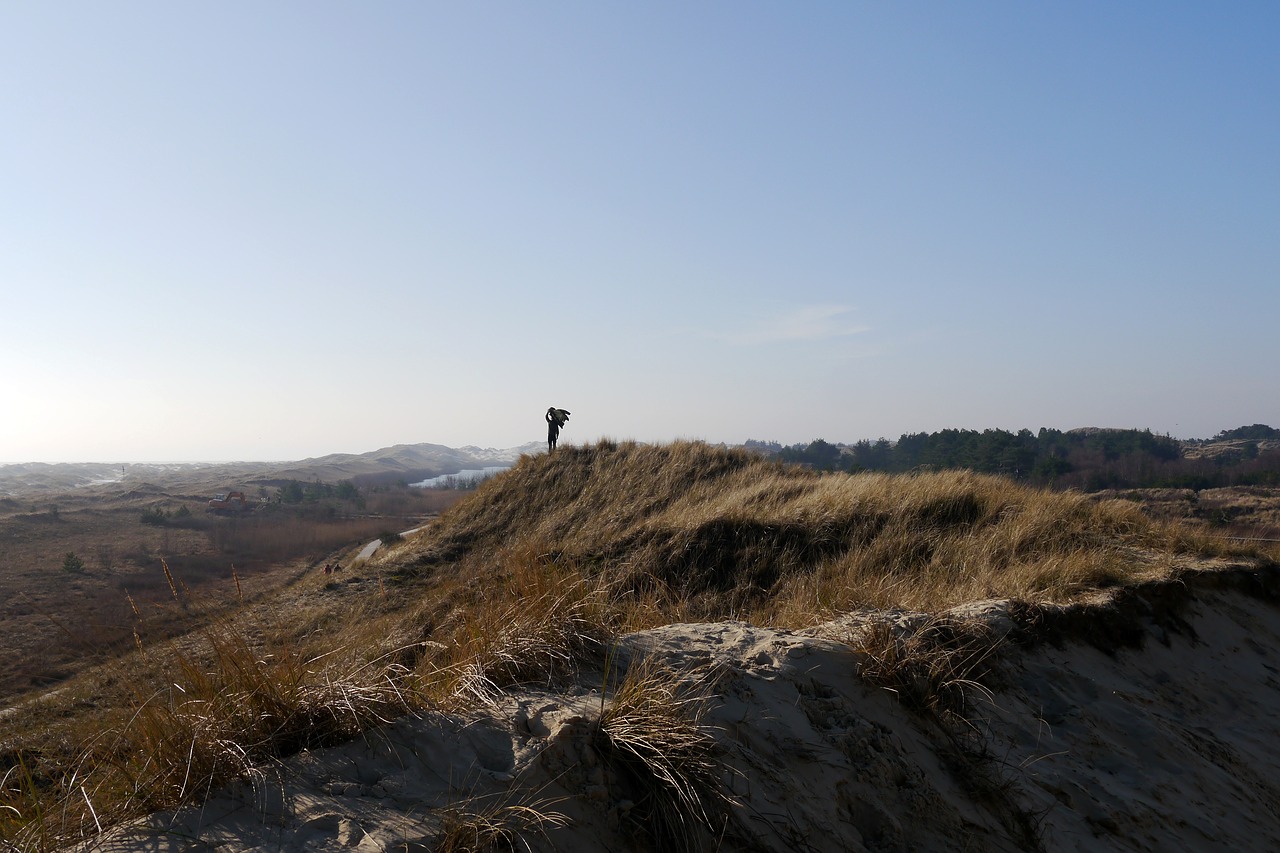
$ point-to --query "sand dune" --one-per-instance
(1144, 722)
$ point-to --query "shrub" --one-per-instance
(291, 492)
(72, 563)
(155, 516)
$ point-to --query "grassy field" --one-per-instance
(528, 579)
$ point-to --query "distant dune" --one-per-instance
(413, 461)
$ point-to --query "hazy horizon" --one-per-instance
(737, 442)
(273, 232)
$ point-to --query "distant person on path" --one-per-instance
(556, 418)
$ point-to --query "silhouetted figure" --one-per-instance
(556, 418)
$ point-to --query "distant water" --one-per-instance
(462, 478)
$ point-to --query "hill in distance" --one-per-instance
(416, 462)
(407, 462)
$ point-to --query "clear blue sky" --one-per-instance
(278, 230)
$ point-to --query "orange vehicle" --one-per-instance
(229, 502)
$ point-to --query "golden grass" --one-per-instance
(537, 634)
(495, 827)
(712, 533)
(217, 715)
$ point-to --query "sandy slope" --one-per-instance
(1088, 744)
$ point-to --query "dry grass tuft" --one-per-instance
(23, 803)
(651, 734)
(540, 622)
(226, 710)
(236, 708)
(496, 828)
(935, 670)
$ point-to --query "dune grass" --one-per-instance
(935, 670)
(216, 709)
(532, 578)
(493, 827)
(541, 626)
(699, 532)
(651, 734)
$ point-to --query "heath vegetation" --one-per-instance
(76, 570)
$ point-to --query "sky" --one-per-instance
(272, 231)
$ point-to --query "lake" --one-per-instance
(461, 479)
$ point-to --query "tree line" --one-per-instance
(1089, 459)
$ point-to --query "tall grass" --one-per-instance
(713, 533)
(494, 825)
(540, 625)
(211, 712)
(936, 669)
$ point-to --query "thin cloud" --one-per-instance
(804, 323)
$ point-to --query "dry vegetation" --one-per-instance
(651, 735)
(689, 531)
(532, 579)
(492, 828)
(56, 622)
(1240, 513)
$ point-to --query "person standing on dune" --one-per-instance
(556, 418)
